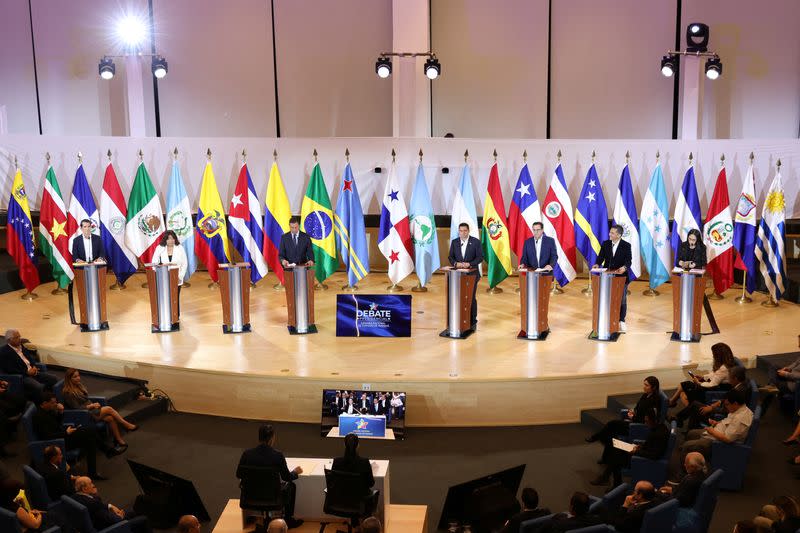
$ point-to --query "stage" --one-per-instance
(490, 378)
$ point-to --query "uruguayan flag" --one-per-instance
(771, 237)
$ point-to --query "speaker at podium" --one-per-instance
(460, 287)
(607, 291)
(534, 301)
(91, 288)
(162, 283)
(688, 290)
(299, 283)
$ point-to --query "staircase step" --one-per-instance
(594, 419)
(139, 410)
(622, 401)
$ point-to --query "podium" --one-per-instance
(162, 283)
(91, 287)
(607, 291)
(534, 301)
(688, 288)
(460, 287)
(234, 283)
(299, 283)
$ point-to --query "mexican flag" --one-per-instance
(494, 237)
(145, 220)
(317, 221)
(53, 238)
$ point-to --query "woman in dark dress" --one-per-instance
(354, 463)
(650, 399)
(692, 253)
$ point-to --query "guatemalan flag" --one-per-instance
(771, 239)
(559, 224)
(625, 214)
(81, 207)
(654, 230)
(179, 217)
(394, 235)
(523, 212)
(244, 220)
(113, 217)
(687, 212)
(744, 230)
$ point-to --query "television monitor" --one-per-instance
(391, 405)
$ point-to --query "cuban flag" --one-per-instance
(625, 214)
(81, 207)
(687, 212)
(523, 212)
(113, 217)
(744, 230)
(244, 223)
(654, 230)
(771, 239)
(559, 224)
(394, 234)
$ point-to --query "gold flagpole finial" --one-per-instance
(208, 154)
(658, 155)
(752, 157)
(494, 154)
(394, 155)
(315, 155)
(80, 158)
(47, 157)
(108, 154)
(466, 155)
(275, 154)
(420, 155)
(525, 156)
(558, 155)
(347, 154)
(691, 158)
(16, 164)
(244, 155)
(722, 160)
(779, 165)
(141, 155)
(175, 154)
(627, 157)
(594, 155)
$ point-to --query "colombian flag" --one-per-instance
(211, 245)
(317, 221)
(276, 220)
(19, 234)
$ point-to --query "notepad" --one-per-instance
(622, 445)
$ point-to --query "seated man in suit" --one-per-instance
(11, 407)
(539, 251)
(577, 517)
(59, 482)
(530, 510)
(376, 409)
(19, 360)
(88, 248)
(103, 514)
(295, 247)
(629, 517)
(467, 252)
(615, 255)
(265, 455)
(686, 491)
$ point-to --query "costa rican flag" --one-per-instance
(559, 224)
(113, 217)
(81, 207)
(244, 222)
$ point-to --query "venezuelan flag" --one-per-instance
(19, 234)
(211, 245)
(276, 220)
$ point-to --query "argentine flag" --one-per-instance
(464, 207)
(654, 229)
(687, 212)
(771, 238)
(625, 216)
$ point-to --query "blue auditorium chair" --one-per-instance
(697, 518)
(81, 416)
(529, 526)
(652, 470)
(78, 517)
(10, 524)
(36, 490)
(14, 383)
(733, 458)
(36, 446)
(660, 518)
(639, 431)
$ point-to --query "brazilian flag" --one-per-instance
(317, 221)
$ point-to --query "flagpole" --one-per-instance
(348, 287)
(419, 287)
(524, 162)
(588, 290)
(244, 162)
(744, 298)
(650, 291)
(58, 290)
(28, 296)
(213, 284)
(495, 289)
(394, 287)
(556, 287)
(715, 295)
(278, 286)
(771, 301)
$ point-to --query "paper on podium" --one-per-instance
(698, 271)
(622, 445)
(599, 269)
(677, 270)
(308, 465)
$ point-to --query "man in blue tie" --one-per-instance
(539, 251)
(295, 247)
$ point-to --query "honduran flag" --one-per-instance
(244, 219)
(211, 242)
(523, 212)
(276, 220)
(113, 217)
(559, 224)
(81, 207)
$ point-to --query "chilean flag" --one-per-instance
(523, 211)
(244, 225)
(113, 215)
(718, 236)
(81, 207)
(559, 224)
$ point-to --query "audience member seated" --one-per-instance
(653, 448)
(794, 438)
(686, 491)
(782, 516)
(530, 510)
(11, 407)
(577, 517)
(649, 400)
(786, 378)
(19, 360)
(278, 525)
(744, 526)
(267, 456)
(59, 482)
(354, 463)
(697, 412)
(717, 379)
(629, 517)
(103, 514)
(29, 521)
(188, 524)
(47, 426)
(371, 525)
(77, 397)
(732, 429)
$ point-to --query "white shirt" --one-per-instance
(161, 255)
(735, 426)
(537, 243)
(716, 377)
(87, 248)
(614, 248)
(464, 248)
(25, 360)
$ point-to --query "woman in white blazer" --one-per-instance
(169, 250)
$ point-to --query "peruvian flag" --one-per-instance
(718, 236)
(559, 224)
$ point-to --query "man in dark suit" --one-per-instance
(630, 516)
(376, 409)
(295, 246)
(103, 514)
(18, 360)
(265, 455)
(59, 482)
(530, 510)
(539, 251)
(577, 517)
(88, 247)
(467, 252)
(615, 255)
(696, 473)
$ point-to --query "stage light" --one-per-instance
(713, 68)
(132, 31)
(106, 68)
(697, 35)
(669, 65)
(383, 67)
(159, 67)
(432, 68)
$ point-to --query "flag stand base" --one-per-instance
(516, 291)
(744, 298)
(28, 296)
(650, 292)
(494, 290)
(419, 288)
(58, 291)
(213, 285)
(117, 287)
(394, 287)
(186, 285)
(715, 296)
(320, 287)
(556, 289)
(587, 291)
(278, 287)
(145, 285)
(350, 288)
(253, 285)
(766, 303)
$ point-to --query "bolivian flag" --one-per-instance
(317, 221)
(494, 237)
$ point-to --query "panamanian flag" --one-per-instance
(394, 235)
(244, 224)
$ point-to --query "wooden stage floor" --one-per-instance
(270, 374)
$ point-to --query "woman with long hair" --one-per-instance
(352, 462)
(170, 251)
(77, 397)
(717, 379)
(692, 253)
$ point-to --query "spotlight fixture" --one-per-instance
(132, 31)
(106, 68)
(383, 67)
(432, 68)
(159, 67)
(669, 65)
(697, 35)
(713, 68)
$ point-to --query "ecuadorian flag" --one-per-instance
(211, 245)
(317, 221)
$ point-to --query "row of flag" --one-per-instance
(406, 236)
